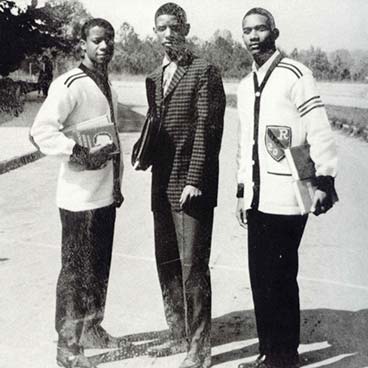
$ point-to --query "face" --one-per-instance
(98, 47)
(257, 35)
(170, 33)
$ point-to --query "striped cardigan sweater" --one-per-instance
(73, 98)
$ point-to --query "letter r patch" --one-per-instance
(277, 138)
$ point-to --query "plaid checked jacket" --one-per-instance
(192, 116)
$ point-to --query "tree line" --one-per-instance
(134, 55)
(54, 29)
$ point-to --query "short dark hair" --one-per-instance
(172, 9)
(265, 13)
(96, 22)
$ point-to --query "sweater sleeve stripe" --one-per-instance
(300, 107)
(297, 70)
(72, 76)
(312, 103)
(74, 79)
(291, 67)
(287, 67)
(311, 108)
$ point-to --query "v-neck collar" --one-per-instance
(262, 70)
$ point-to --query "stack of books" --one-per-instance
(304, 175)
(94, 132)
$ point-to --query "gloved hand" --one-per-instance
(118, 199)
(325, 196)
(91, 159)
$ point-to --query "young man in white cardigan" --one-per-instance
(88, 193)
(279, 107)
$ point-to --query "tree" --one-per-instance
(25, 32)
(359, 69)
(317, 61)
(132, 55)
(70, 16)
(295, 54)
(341, 63)
(229, 56)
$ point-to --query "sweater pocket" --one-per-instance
(280, 168)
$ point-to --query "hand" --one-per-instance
(240, 213)
(118, 199)
(99, 155)
(91, 159)
(321, 202)
(189, 192)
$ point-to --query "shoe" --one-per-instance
(190, 362)
(169, 347)
(207, 362)
(260, 362)
(284, 360)
(72, 357)
(98, 338)
(195, 361)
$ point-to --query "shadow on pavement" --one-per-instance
(4, 259)
(346, 332)
(342, 332)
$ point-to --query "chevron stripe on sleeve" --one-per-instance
(309, 105)
(291, 67)
(68, 82)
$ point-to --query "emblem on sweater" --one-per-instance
(277, 138)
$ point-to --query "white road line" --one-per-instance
(326, 281)
(230, 268)
(328, 361)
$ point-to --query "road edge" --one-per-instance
(19, 161)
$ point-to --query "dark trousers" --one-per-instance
(87, 238)
(182, 247)
(273, 242)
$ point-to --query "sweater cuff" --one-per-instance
(79, 155)
(327, 184)
(240, 191)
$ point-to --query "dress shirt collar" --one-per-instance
(166, 61)
(261, 71)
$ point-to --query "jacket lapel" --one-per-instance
(157, 87)
(179, 73)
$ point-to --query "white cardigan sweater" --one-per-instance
(290, 106)
(73, 98)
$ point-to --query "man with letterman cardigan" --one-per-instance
(88, 193)
(278, 99)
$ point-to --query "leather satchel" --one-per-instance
(144, 149)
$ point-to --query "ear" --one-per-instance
(154, 29)
(82, 44)
(186, 29)
(276, 33)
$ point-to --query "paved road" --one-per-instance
(340, 94)
(333, 276)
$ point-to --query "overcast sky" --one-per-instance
(329, 24)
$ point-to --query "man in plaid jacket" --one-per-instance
(189, 99)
